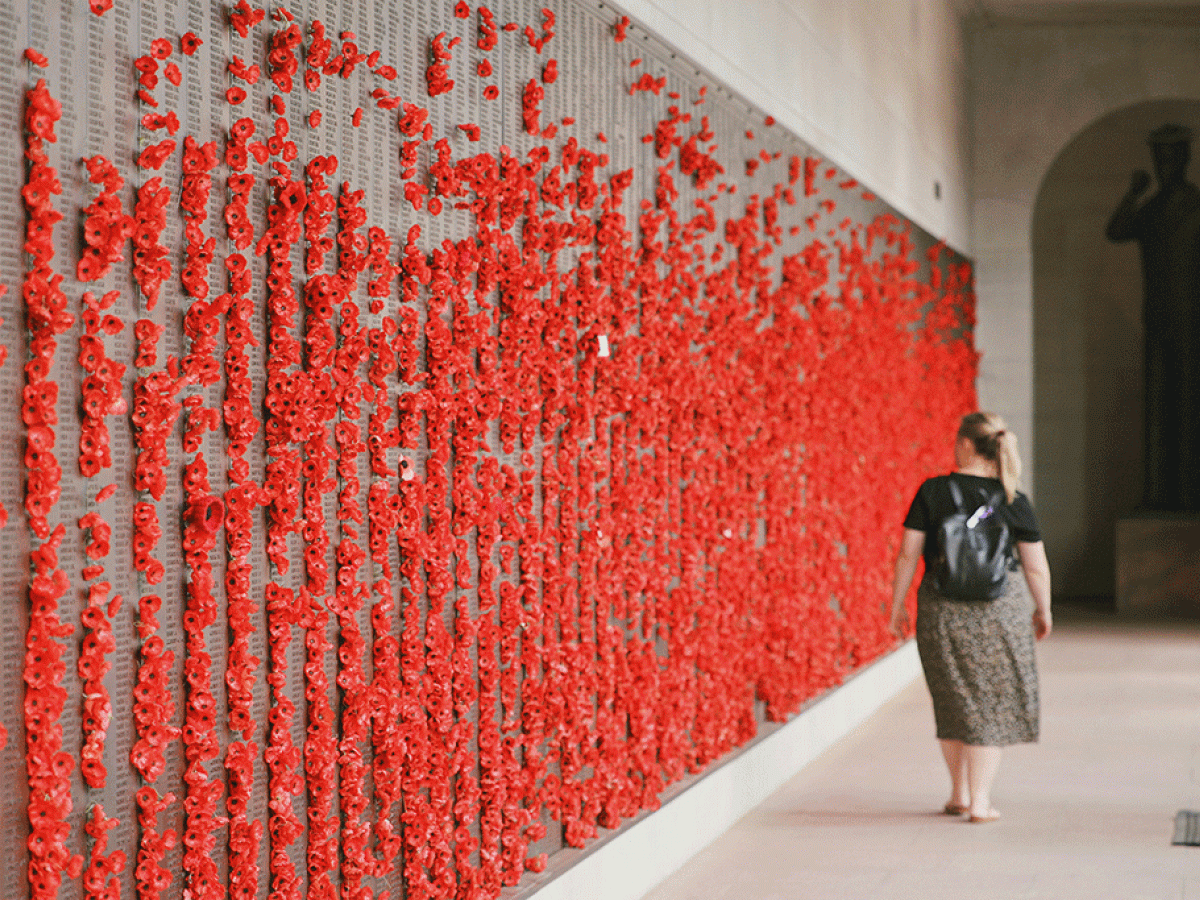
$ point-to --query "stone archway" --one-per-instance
(1087, 345)
(1034, 89)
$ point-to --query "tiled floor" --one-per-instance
(1088, 812)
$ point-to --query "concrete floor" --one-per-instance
(1088, 812)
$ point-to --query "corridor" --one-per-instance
(1088, 812)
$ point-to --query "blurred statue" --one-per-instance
(1167, 228)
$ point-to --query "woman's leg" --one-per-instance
(960, 795)
(982, 764)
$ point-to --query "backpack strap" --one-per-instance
(995, 501)
(956, 494)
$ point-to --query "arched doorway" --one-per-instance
(1087, 345)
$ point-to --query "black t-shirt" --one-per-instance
(933, 504)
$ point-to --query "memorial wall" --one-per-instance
(434, 429)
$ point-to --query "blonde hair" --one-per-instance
(993, 441)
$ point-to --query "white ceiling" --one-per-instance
(1125, 12)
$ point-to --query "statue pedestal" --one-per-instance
(1158, 566)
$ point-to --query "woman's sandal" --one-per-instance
(990, 816)
(954, 809)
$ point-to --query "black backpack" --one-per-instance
(975, 553)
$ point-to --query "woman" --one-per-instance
(977, 655)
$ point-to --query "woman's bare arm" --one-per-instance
(911, 546)
(1037, 575)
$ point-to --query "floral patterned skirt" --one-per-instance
(980, 666)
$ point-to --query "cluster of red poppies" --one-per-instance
(321, 744)
(106, 227)
(699, 163)
(379, 287)
(155, 412)
(243, 17)
(100, 880)
(147, 67)
(437, 75)
(648, 83)
(320, 60)
(489, 34)
(46, 310)
(101, 395)
(383, 509)
(538, 41)
(414, 125)
(531, 106)
(282, 60)
(351, 594)
(287, 413)
(151, 877)
(93, 662)
(203, 515)
(318, 213)
(101, 388)
(430, 835)
(198, 161)
(241, 500)
(151, 260)
(581, 425)
(48, 767)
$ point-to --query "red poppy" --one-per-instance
(236, 157)
(239, 69)
(154, 121)
(243, 18)
(156, 154)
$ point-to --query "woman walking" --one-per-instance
(977, 654)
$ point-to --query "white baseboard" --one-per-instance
(632, 863)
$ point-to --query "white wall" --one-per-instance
(877, 86)
(1033, 88)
